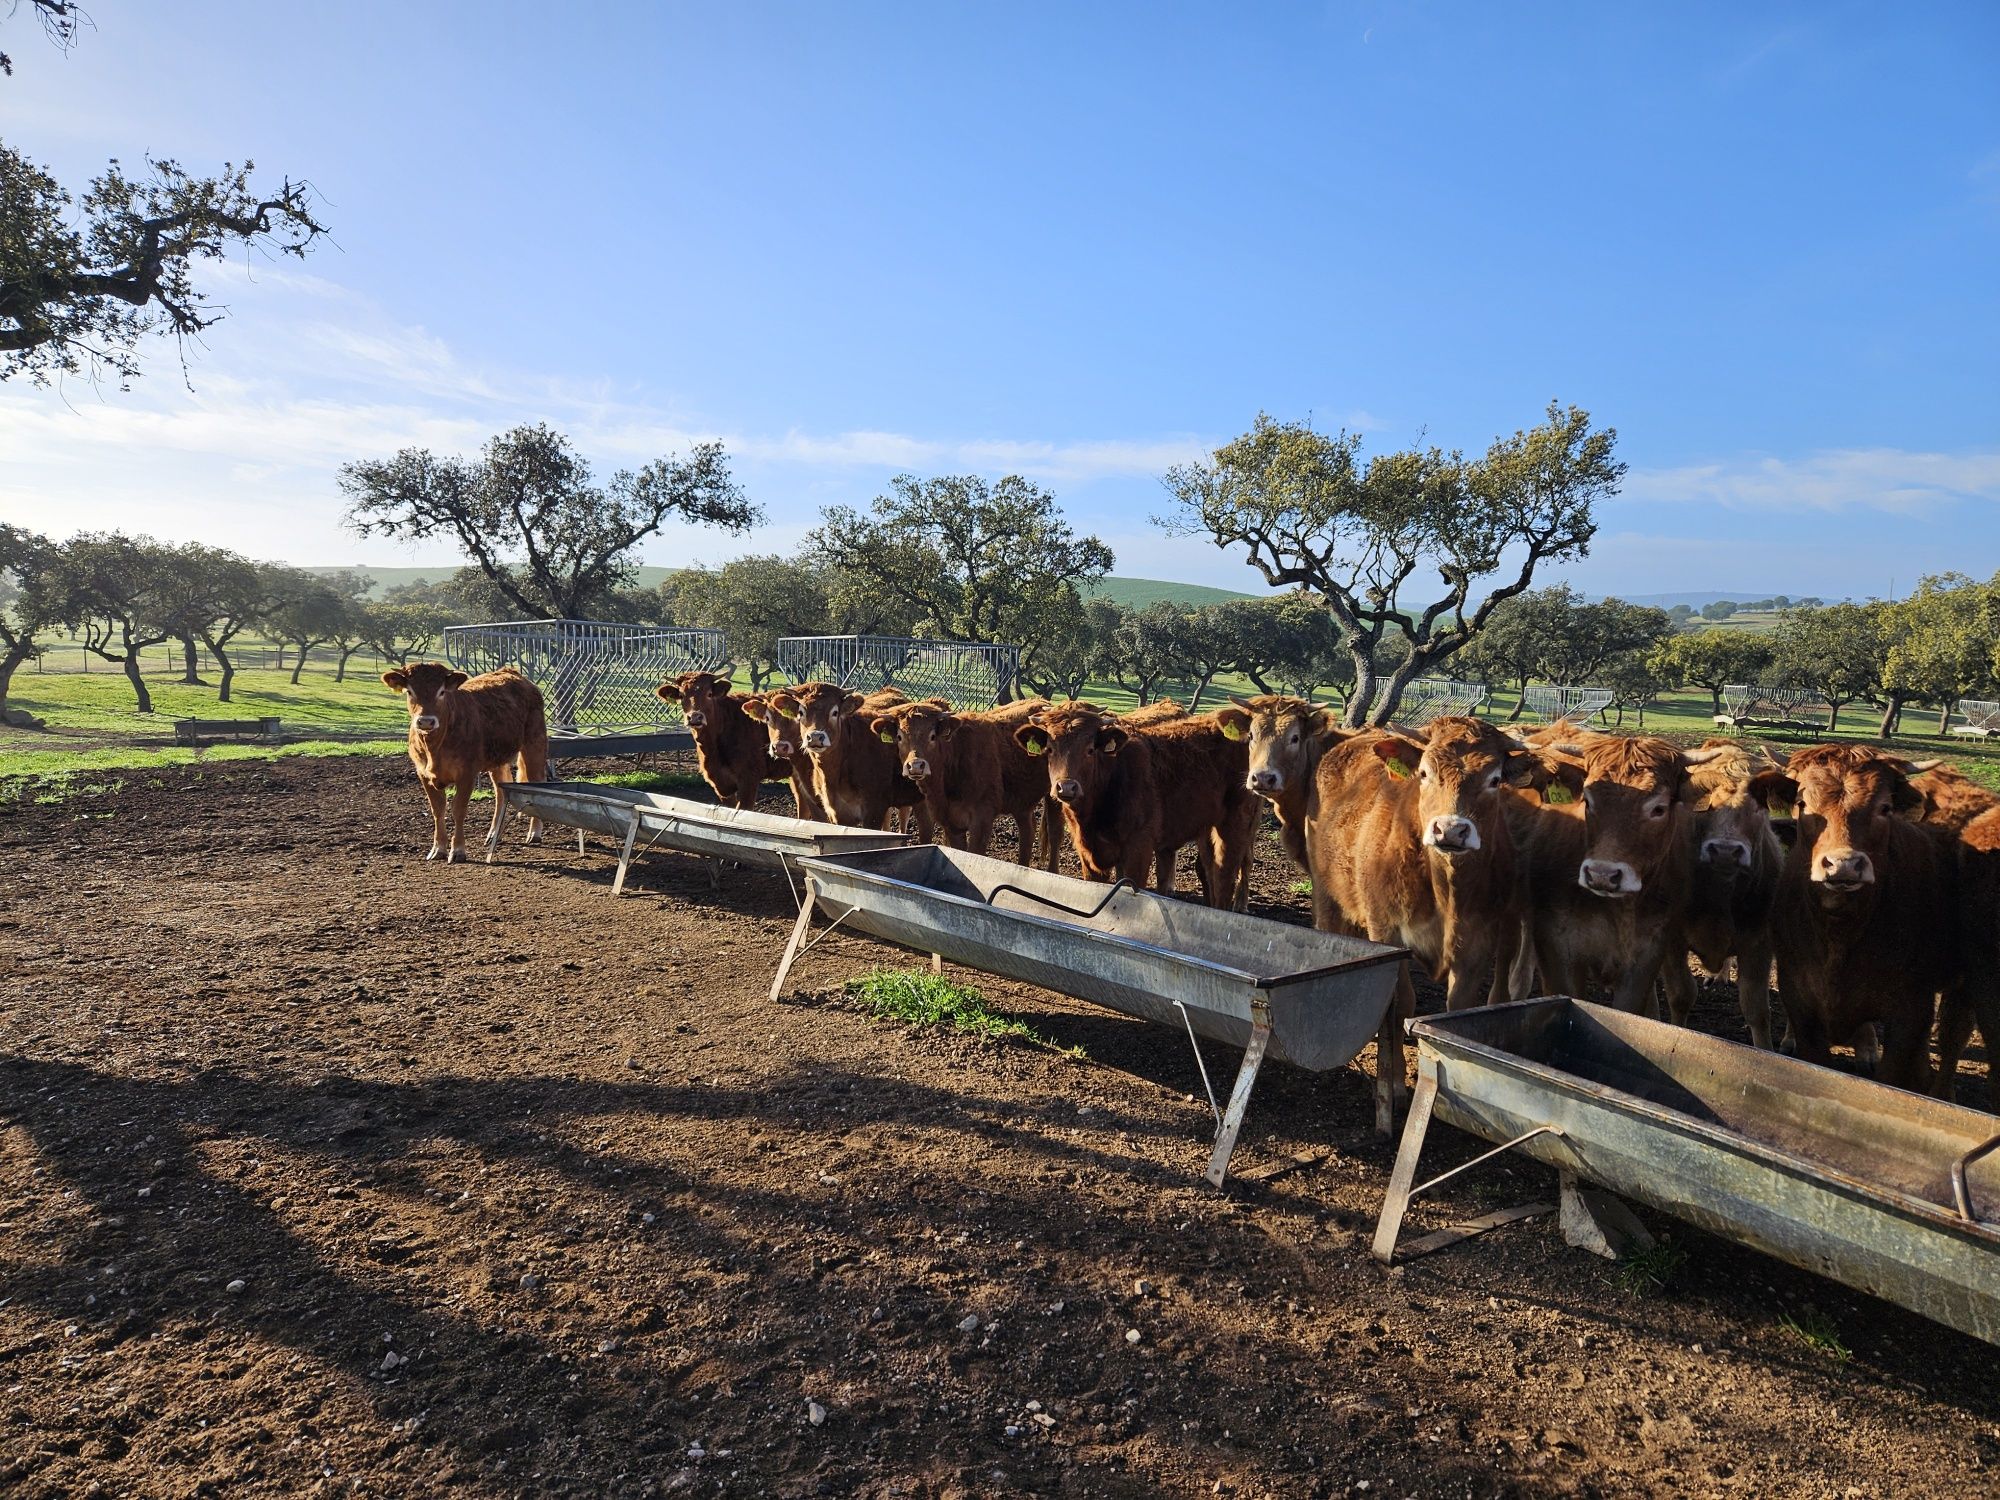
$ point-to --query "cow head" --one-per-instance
(779, 714)
(821, 708)
(699, 694)
(1844, 798)
(1730, 818)
(1082, 743)
(917, 730)
(429, 688)
(1284, 737)
(1635, 804)
(1459, 771)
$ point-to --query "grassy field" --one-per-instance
(93, 727)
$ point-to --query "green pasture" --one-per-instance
(93, 725)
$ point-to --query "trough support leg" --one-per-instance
(1595, 1221)
(796, 945)
(625, 858)
(579, 841)
(1239, 1097)
(1391, 1078)
(715, 874)
(937, 963)
(1396, 1202)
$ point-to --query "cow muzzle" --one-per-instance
(1265, 783)
(1452, 834)
(1732, 852)
(916, 768)
(1843, 870)
(696, 719)
(818, 739)
(426, 722)
(1608, 877)
(784, 749)
(1069, 792)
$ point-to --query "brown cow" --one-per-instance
(972, 770)
(732, 750)
(781, 736)
(461, 726)
(1610, 869)
(1865, 923)
(1976, 995)
(1412, 844)
(1132, 792)
(1737, 858)
(1951, 798)
(1284, 739)
(855, 775)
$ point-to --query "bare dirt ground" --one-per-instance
(326, 1170)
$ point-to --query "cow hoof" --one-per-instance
(455, 852)
(435, 851)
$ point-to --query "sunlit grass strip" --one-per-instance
(22, 765)
(922, 999)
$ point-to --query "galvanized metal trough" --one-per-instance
(1894, 1193)
(762, 840)
(1274, 989)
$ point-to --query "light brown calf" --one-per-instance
(855, 775)
(781, 736)
(732, 750)
(461, 726)
(971, 770)
(1283, 740)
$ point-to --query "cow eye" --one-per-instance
(1493, 781)
(1657, 810)
(1294, 739)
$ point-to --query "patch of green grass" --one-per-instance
(35, 765)
(1816, 1331)
(924, 999)
(1300, 887)
(673, 783)
(1648, 1272)
(101, 701)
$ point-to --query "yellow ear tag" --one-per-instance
(1558, 794)
(1396, 769)
(1231, 730)
(885, 736)
(1035, 745)
(785, 713)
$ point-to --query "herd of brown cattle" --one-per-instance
(1565, 861)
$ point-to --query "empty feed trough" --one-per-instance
(1894, 1193)
(1274, 989)
(762, 840)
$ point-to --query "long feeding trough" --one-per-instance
(761, 840)
(1309, 998)
(1894, 1193)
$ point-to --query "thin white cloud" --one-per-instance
(1894, 480)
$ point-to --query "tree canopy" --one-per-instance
(527, 513)
(1308, 512)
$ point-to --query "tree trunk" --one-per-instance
(1891, 711)
(340, 672)
(190, 664)
(1200, 687)
(1832, 717)
(300, 665)
(16, 654)
(1715, 701)
(1520, 700)
(1944, 716)
(138, 682)
(1362, 694)
(1392, 696)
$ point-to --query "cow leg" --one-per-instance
(1809, 1038)
(1506, 953)
(499, 775)
(926, 824)
(1906, 1048)
(1633, 993)
(1753, 990)
(461, 799)
(534, 767)
(435, 795)
(979, 837)
(1954, 1030)
(1052, 831)
(1678, 980)
(1469, 970)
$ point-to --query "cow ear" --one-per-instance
(1326, 721)
(1032, 738)
(1525, 770)
(1111, 739)
(454, 679)
(884, 729)
(397, 679)
(1903, 797)
(784, 705)
(1565, 779)
(1770, 787)
(1234, 723)
(668, 692)
(853, 703)
(1399, 756)
(946, 726)
(754, 707)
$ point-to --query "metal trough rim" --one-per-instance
(840, 863)
(1723, 1137)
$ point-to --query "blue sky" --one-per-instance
(1082, 243)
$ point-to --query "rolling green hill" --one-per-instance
(1134, 593)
